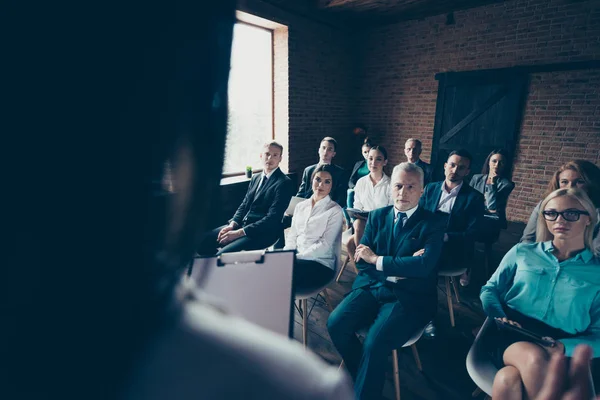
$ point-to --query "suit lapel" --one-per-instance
(266, 185)
(388, 228)
(436, 195)
(461, 200)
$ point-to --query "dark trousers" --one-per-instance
(209, 246)
(310, 275)
(391, 324)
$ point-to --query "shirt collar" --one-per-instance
(323, 202)
(586, 255)
(270, 173)
(453, 191)
(408, 213)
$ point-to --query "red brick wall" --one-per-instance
(562, 118)
(320, 75)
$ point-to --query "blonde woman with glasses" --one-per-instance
(552, 288)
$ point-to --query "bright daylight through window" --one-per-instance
(250, 121)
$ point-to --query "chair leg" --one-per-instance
(305, 322)
(453, 279)
(486, 259)
(396, 374)
(337, 279)
(328, 299)
(341, 365)
(476, 392)
(449, 297)
(413, 347)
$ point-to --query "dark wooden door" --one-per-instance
(478, 111)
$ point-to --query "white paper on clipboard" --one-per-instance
(254, 285)
(293, 203)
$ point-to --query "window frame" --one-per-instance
(271, 32)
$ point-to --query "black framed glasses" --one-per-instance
(568, 215)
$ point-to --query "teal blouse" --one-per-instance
(564, 295)
(363, 171)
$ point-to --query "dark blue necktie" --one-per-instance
(262, 185)
(399, 224)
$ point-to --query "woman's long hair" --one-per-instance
(588, 171)
(543, 234)
(507, 162)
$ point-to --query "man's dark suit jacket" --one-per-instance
(338, 193)
(261, 215)
(427, 170)
(463, 224)
(423, 230)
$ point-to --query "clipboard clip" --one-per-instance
(243, 257)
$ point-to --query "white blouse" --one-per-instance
(316, 232)
(368, 197)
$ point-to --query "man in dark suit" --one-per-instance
(412, 151)
(394, 294)
(327, 151)
(464, 207)
(257, 221)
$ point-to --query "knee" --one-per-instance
(507, 377)
(535, 359)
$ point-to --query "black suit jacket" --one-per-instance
(338, 194)
(423, 230)
(464, 221)
(261, 214)
(427, 170)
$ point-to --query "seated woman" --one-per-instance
(551, 288)
(371, 192)
(581, 174)
(496, 188)
(359, 170)
(316, 234)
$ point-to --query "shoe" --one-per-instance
(465, 279)
(429, 330)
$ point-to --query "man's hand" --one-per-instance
(419, 253)
(558, 348)
(226, 229)
(572, 385)
(230, 236)
(365, 253)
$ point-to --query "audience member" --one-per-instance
(412, 150)
(316, 234)
(496, 188)
(550, 287)
(257, 221)
(359, 170)
(371, 192)
(394, 294)
(464, 206)
(581, 174)
(327, 150)
(91, 302)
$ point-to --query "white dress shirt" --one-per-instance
(316, 232)
(448, 198)
(368, 197)
(379, 263)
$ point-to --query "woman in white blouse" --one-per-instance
(371, 192)
(316, 234)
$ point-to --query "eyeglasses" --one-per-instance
(568, 215)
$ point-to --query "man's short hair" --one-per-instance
(330, 140)
(409, 168)
(417, 142)
(461, 153)
(274, 144)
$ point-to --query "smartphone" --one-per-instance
(527, 335)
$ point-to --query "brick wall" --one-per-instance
(397, 63)
(319, 81)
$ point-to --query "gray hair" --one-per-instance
(417, 142)
(410, 168)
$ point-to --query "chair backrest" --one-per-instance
(479, 365)
(292, 205)
(255, 285)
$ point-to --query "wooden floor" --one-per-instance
(444, 373)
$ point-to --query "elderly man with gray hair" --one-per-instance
(412, 150)
(394, 293)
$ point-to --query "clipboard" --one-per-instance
(293, 203)
(254, 285)
(356, 213)
(524, 334)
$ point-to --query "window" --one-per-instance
(250, 120)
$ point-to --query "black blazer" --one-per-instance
(261, 215)
(501, 190)
(354, 175)
(338, 194)
(423, 230)
(427, 170)
(463, 224)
